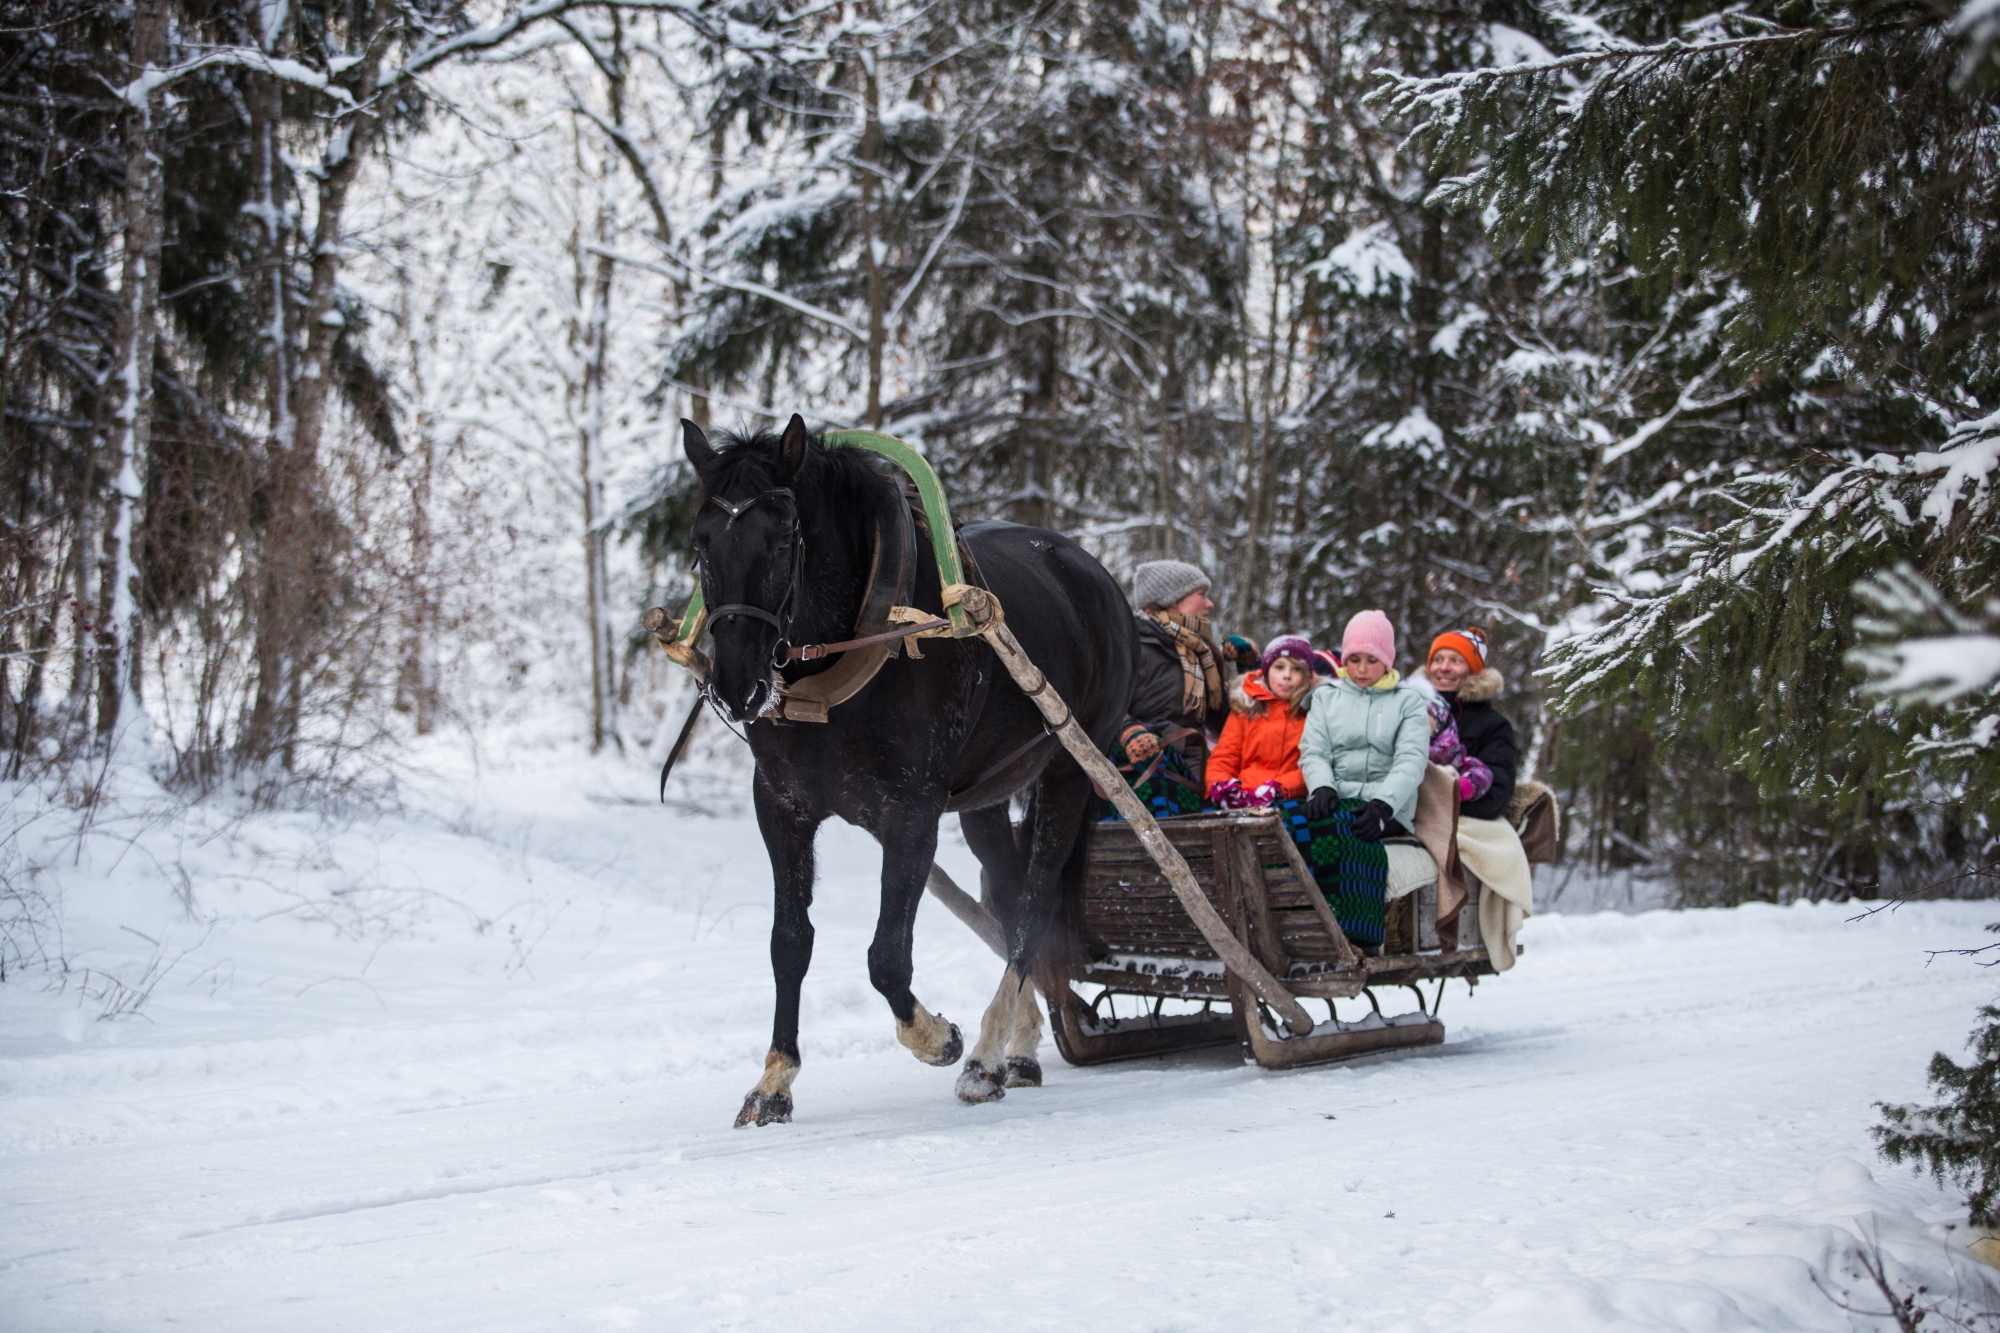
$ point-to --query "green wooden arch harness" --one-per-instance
(937, 516)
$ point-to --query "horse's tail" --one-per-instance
(1062, 943)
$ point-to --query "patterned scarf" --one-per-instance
(1201, 677)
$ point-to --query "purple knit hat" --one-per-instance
(1289, 645)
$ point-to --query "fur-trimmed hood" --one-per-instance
(1481, 686)
(1250, 696)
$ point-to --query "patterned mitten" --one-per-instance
(1266, 794)
(1141, 745)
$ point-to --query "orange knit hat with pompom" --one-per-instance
(1468, 643)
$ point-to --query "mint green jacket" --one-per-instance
(1368, 745)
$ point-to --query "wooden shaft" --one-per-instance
(982, 608)
(963, 906)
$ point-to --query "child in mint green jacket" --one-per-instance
(1367, 736)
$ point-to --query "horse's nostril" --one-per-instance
(752, 702)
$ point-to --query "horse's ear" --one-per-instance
(792, 448)
(699, 451)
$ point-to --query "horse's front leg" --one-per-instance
(909, 842)
(788, 833)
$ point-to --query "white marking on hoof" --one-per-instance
(761, 1108)
(977, 1084)
(931, 1038)
(1026, 1038)
(770, 1102)
(1024, 1071)
(996, 1025)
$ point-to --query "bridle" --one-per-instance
(795, 539)
(786, 652)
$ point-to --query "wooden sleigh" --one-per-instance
(1142, 949)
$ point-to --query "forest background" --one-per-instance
(343, 347)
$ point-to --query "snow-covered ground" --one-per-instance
(474, 1065)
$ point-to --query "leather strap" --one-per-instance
(812, 652)
(1001, 765)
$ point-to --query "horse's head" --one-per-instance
(749, 553)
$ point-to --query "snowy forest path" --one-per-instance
(1655, 1121)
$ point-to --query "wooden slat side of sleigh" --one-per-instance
(1141, 947)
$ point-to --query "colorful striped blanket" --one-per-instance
(1353, 874)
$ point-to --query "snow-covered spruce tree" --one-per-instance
(1817, 163)
(58, 159)
(980, 225)
(1094, 283)
(1958, 1139)
(1465, 430)
(808, 236)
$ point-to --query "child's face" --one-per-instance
(1364, 670)
(1286, 678)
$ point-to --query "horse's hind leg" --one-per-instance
(1011, 1028)
(788, 837)
(984, 1078)
(1024, 1064)
(989, 832)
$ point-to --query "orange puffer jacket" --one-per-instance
(1260, 741)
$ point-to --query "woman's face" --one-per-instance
(1195, 605)
(1286, 678)
(1449, 670)
(1364, 670)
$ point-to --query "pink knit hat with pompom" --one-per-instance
(1370, 632)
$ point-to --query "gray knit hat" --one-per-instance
(1164, 582)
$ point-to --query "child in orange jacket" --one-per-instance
(1256, 762)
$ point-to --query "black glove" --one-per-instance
(1321, 804)
(1372, 820)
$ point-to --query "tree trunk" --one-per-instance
(871, 217)
(698, 404)
(603, 697)
(287, 584)
(131, 381)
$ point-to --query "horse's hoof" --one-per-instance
(954, 1046)
(765, 1108)
(976, 1084)
(1024, 1071)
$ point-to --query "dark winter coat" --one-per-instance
(1488, 737)
(1157, 693)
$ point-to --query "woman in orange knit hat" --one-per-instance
(1487, 843)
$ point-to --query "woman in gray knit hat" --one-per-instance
(1179, 682)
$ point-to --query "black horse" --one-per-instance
(797, 544)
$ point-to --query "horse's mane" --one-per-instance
(840, 481)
